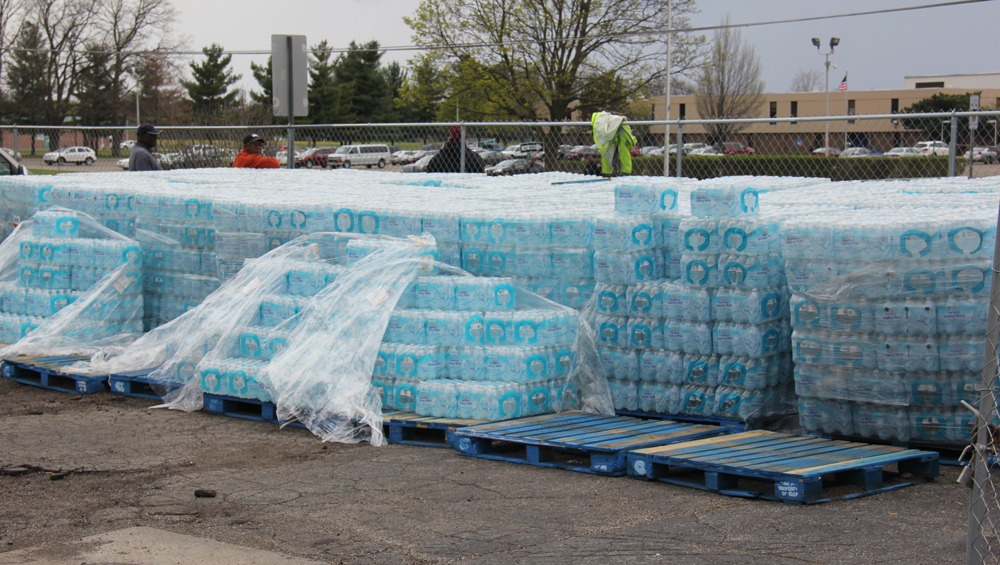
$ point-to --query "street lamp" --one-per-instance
(834, 41)
(994, 124)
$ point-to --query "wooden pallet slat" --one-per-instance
(137, 384)
(51, 372)
(574, 441)
(407, 428)
(798, 469)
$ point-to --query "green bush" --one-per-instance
(703, 167)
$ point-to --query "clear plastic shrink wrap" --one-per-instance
(68, 286)
(889, 318)
(334, 330)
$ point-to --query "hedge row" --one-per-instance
(833, 168)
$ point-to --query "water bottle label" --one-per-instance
(965, 241)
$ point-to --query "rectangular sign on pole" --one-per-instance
(285, 62)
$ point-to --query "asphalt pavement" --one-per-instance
(101, 478)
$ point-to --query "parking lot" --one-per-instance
(75, 467)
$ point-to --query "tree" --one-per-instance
(729, 85)
(806, 81)
(944, 103)
(209, 91)
(126, 28)
(11, 18)
(98, 101)
(364, 87)
(262, 74)
(162, 98)
(28, 88)
(423, 90)
(508, 46)
(325, 104)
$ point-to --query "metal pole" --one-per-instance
(680, 145)
(290, 145)
(461, 152)
(847, 112)
(987, 405)
(951, 145)
(826, 140)
(972, 148)
(138, 87)
(666, 114)
(15, 143)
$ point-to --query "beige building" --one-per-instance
(786, 137)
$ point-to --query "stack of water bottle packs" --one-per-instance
(466, 347)
(56, 258)
(890, 312)
(691, 304)
(177, 233)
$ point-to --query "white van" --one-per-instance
(367, 155)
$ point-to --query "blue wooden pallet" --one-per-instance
(407, 428)
(735, 425)
(138, 384)
(50, 372)
(948, 451)
(244, 408)
(598, 442)
(794, 467)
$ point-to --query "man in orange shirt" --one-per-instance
(250, 157)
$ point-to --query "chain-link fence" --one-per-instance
(984, 510)
(841, 148)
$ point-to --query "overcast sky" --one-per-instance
(877, 51)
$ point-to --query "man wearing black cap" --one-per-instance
(250, 157)
(141, 158)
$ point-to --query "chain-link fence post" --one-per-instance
(952, 145)
(16, 152)
(680, 147)
(981, 545)
(461, 159)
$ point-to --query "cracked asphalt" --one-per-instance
(101, 463)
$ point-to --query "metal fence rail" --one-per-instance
(861, 147)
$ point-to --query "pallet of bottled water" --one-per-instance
(889, 309)
(61, 258)
(699, 325)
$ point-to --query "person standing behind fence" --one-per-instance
(141, 158)
(449, 158)
(250, 157)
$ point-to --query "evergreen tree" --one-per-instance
(357, 72)
(325, 100)
(209, 91)
(28, 88)
(394, 77)
(262, 74)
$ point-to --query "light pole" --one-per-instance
(994, 124)
(834, 41)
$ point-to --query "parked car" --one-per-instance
(9, 164)
(693, 146)
(983, 154)
(432, 147)
(580, 152)
(282, 157)
(203, 156)
(492, 157)
(564, 151)
(127, 144)
(735, 148)
(855, 152)
(901, 152)
(935, 148)
(522, 149)
(313, 157)
(649, 149)
(420, 166)
(684, 150)
(513, 167)
(367, 155)
(78, 155)
(400, 157)
(826, 152)
(706, 152)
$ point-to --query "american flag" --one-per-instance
(843, 84)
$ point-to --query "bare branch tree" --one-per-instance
(11, 18)
(807, 81)
(730, 84)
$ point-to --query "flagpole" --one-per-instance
(847, 110)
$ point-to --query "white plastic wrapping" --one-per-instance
(68, 286)
(303, 326)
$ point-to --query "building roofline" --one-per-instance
(953, 75)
